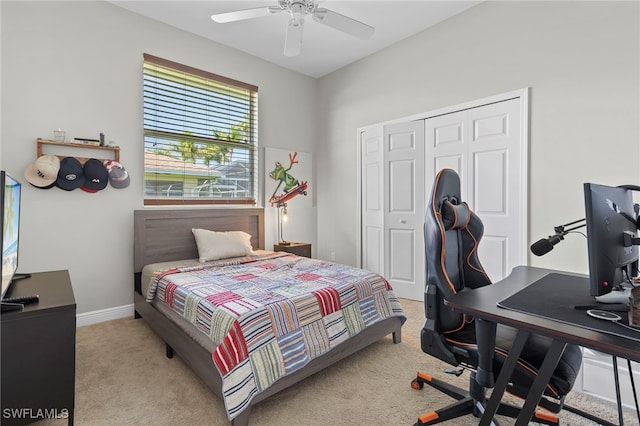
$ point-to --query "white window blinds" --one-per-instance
(200, 136)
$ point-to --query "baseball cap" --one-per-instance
(70, 175)
(95, 176)
(43, 172)
(118, 176)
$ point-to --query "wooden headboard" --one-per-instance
(164, 235)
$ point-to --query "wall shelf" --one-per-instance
(90, 151)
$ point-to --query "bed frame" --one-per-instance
(165, 235)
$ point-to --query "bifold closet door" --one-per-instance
(372, 229)
(484, 145)
(404, 201)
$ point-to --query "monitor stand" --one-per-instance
(18, 276)
(622, 295)
(11, 307)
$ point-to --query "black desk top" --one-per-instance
(482, 303)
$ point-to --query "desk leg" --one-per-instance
(616, 380)
(544, 375)
(503, 378)
(633, 388)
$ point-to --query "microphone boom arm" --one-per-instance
(561, 231)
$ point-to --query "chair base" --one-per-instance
(468, 402)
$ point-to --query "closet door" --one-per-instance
(372, 230)
(404, 201)
(485, 146)
(485, 141)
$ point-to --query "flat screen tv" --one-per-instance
(611, 222)
(10, 200)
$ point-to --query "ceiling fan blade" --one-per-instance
(343, 23)
(240, 15)
(293, 38)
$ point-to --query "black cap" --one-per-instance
(96, 177)
(70, 175)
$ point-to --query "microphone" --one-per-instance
(545, 245)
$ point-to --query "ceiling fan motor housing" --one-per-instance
(298, 7)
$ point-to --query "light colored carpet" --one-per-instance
(124, 378)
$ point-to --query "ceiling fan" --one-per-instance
(298, 10)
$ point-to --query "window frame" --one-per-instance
(247, 148)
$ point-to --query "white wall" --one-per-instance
(78, 66)
(581, 62)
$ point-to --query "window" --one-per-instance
(200, 136)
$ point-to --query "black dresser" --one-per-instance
(39, 351)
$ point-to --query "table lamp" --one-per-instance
(283, 218)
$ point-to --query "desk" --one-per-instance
(482, 303)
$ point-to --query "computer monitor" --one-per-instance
(10, 207)
(611, 221)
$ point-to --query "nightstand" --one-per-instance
(299, 249)
(39, 351)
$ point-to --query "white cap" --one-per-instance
(43, 172)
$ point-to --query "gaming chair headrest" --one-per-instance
(455, 216)
(447, 200)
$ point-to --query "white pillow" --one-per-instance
(214, 245)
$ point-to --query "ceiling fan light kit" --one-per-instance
(293, 38)
(297, 10)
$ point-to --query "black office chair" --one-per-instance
(452, 233)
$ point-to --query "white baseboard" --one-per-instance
(102, 315)
(598, 378)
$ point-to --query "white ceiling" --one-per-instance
(324, 49)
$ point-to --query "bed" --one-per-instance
(164, 236)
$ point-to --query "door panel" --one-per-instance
(404, 208)
(497, 184)
(494, 250)
(402, 192)
(447, 134)
(489, 126)
(450, 162)
(485, 149)
(374, 260)
(372, 195)
(489, 182)
(401, 268)
(446, 137)
(372, 201)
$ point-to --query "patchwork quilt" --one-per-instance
(273, 313)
